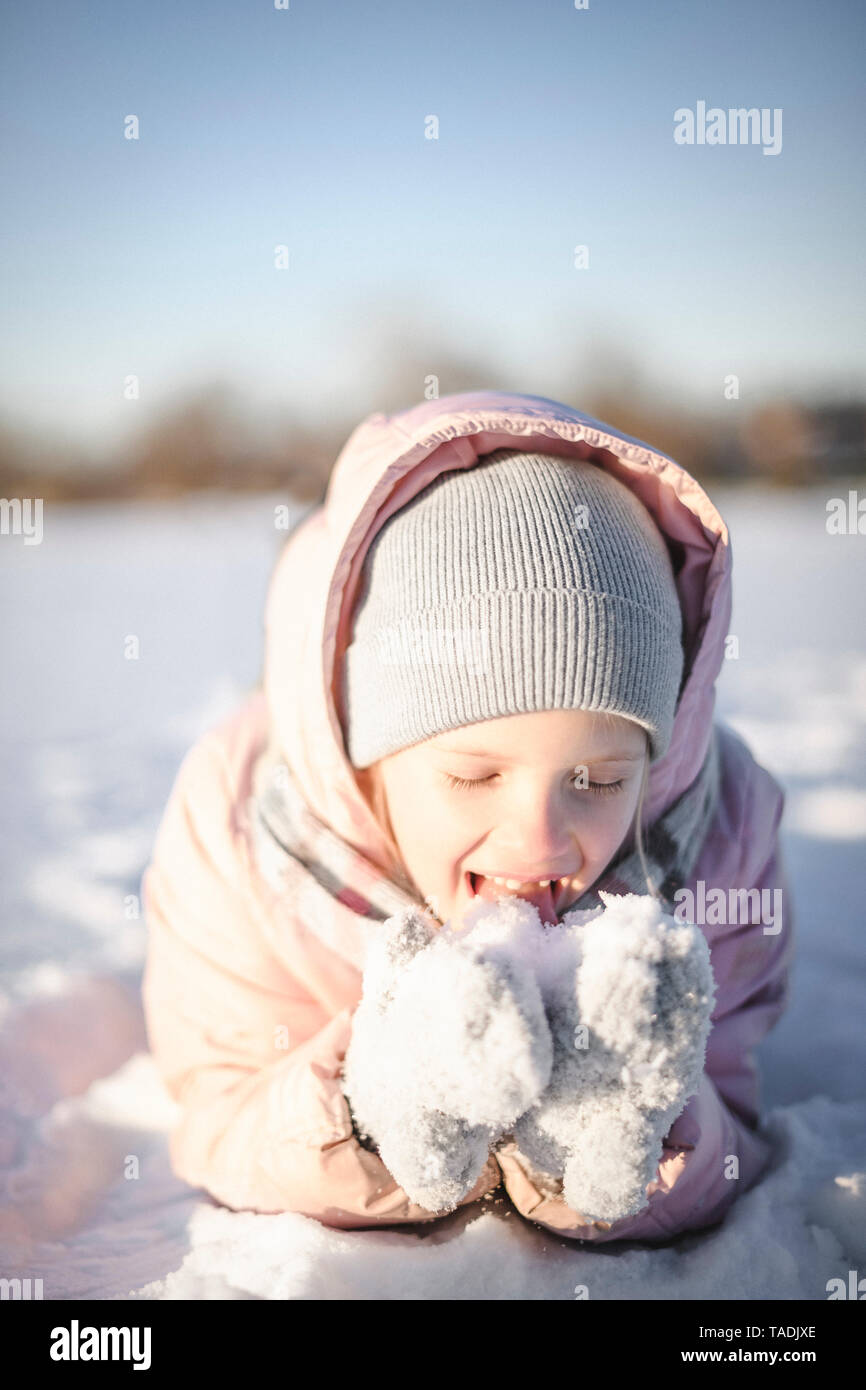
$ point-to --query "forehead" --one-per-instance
(558, 735)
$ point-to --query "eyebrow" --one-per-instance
(503, 758)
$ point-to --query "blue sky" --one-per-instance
(305, 127)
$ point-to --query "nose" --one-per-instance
(537, 839)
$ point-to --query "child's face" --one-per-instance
(530, 814)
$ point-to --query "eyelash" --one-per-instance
(597, 788)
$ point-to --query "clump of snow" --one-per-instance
(449, 1046)
(629, 1004)
(584, 1039)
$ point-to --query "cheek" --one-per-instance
(602, 828)
(431, 833)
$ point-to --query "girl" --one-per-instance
(490, 658)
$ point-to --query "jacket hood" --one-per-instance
(385, 462)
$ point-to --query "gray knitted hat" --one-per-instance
(525, 582)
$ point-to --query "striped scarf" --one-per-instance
(289, 839)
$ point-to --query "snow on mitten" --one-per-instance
(629, 1009)
(449, 1045)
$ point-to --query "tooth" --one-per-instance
(514, 883)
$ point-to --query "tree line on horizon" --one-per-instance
(207, 442)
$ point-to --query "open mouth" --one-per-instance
(549, 896)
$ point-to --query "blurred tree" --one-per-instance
(779, 440)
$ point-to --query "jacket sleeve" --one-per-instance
(250, 1056)
(712, 1151)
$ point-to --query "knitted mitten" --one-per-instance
(449, 1045)
(629, 994)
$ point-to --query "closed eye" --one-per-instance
(470, 783)
(464, 783)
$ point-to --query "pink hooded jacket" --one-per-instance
(249, 1008)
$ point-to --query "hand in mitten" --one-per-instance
(629, 994)
(449, 1045)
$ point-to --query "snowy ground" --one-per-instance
(89, 745)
